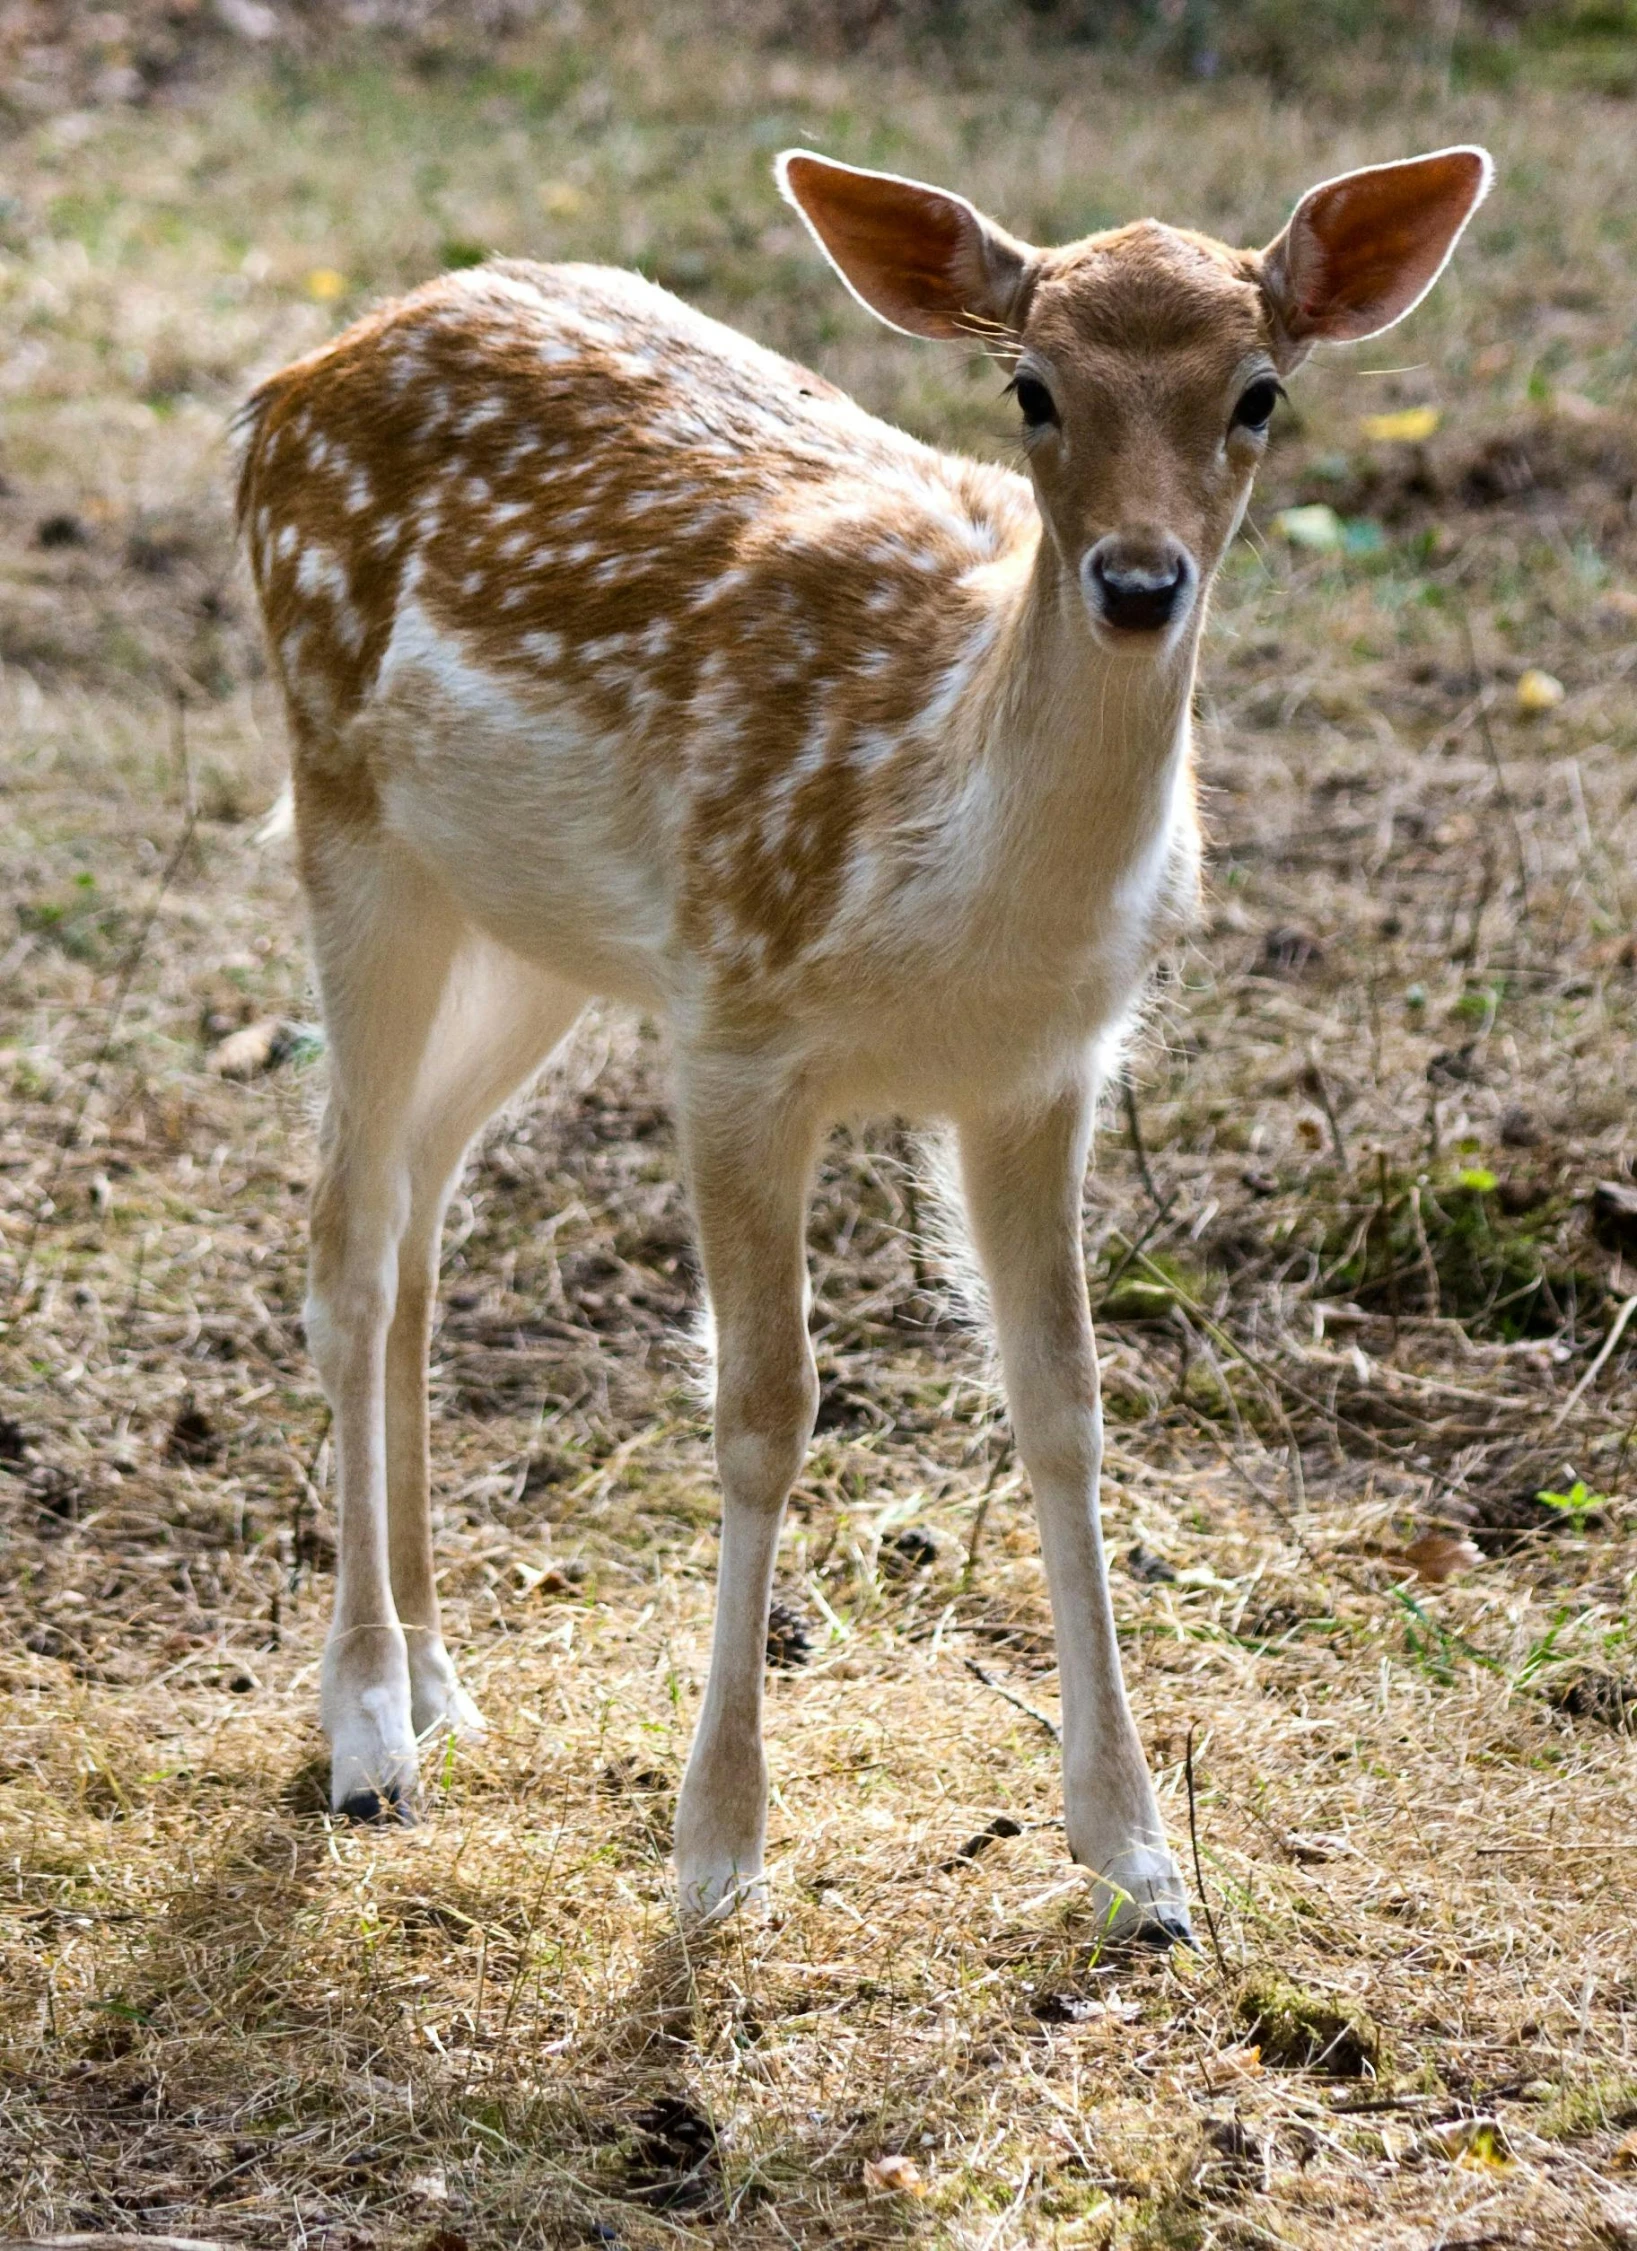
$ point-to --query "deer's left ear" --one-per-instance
(920, 258)
(1361, 251)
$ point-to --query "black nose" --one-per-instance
(1140, 587)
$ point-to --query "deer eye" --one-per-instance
(1256, 405)
(1035, 401)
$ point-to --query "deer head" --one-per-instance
(1146, 362)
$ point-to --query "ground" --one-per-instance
(1363, 1242)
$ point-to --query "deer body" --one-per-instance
(624, 657)
(770, 689)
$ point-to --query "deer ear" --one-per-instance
(921, 259)
(1361, 251)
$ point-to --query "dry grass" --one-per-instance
(222, 2018)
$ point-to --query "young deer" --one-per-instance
(623, 657)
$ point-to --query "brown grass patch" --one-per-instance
(1364, 1301)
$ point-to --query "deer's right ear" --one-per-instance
(921, 259)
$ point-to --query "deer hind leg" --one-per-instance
(384, 939)
(748, 1160)
(1022, 1178)
(498, 1021)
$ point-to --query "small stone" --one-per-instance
(1143, 1564)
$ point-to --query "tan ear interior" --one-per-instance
(921, 259)
(1361, 251)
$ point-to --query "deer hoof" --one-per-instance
(1162, 1930)
(382, 1809)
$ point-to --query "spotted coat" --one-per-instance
(743, 624)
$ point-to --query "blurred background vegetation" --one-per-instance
(1343, 49)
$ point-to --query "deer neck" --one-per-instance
(1087, 746)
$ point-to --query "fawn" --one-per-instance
(623, 657)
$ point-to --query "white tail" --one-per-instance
(623, 657)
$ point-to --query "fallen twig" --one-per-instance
(1193, 1839)
(1040, 1718)
(1605, 1354)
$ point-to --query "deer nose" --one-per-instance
(1137, 586)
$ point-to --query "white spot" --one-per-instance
(319, 572)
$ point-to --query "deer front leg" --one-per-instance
(1022, 1177)
(748, 1164)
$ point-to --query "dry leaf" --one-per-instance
(1475, 2144)
(1317, 526)
(561, 199)
(1437, 1556)
(245, 1054)
(1313, 1850)
(326, 284)
(893, 2176)
(1618, 601)
(1408, 425)
(1539, 691)
(1624, 2159)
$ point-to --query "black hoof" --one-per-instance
(382, 1808)
(1164, 1931)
